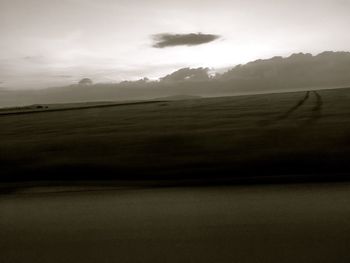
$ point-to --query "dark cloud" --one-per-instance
(170, 40)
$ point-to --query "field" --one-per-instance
(299, 135)
(81, 183)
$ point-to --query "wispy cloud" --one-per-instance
(169, 40)
(65, 76)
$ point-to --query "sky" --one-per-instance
(46, 43)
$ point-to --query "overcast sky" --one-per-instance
(56, 42)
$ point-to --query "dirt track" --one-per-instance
(299, 108)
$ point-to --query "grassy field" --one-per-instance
(297, 136)
(300, 134)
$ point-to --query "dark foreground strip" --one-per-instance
(79, 186)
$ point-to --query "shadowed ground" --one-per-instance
(259, 223)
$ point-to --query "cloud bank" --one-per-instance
(171, 40)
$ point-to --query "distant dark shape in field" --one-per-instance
(193, 39)
(85, 81)
(178, 97)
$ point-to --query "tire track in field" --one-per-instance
(316, 111)
(319, 102)
(286, 114)
(294, 108)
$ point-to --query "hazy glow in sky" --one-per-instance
(57, 42)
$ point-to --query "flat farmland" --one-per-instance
(281, 134)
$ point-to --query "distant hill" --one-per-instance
(296, 72)
(327, 69)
